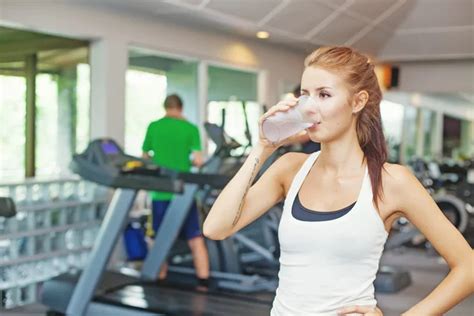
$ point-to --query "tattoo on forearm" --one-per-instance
(249, 184)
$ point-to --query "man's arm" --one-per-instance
(146, 146)
(198, 159)
(196, 149)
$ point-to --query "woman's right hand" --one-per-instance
(281, 106)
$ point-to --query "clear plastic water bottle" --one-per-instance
(282, 125)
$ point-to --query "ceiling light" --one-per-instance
(263, 35)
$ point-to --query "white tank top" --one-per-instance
(328, 265)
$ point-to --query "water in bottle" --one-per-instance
(282, 125)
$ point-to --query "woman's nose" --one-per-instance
(312, 103)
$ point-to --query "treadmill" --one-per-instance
(96, 291)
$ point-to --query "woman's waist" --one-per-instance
(298, 267)
(329, 284)
(322, 302)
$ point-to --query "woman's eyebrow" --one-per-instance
(317, 89)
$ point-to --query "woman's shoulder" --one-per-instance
(397, 179)
(292, 160)
(288, 165)
(396, 174)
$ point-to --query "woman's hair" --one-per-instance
(358, 73)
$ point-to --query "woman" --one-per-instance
(340, 202)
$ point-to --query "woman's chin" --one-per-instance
(314, 132)
(314, 137)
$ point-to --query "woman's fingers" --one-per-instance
(357, 309)
(281, 106)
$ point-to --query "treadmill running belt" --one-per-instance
(177, 302)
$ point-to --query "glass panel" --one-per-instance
(236, 92)
(225, 83)
(83, 107)
(451, 136)
(235, 122)
(12, 130)
(47, 125)
(150, 79)
(467, 140)
(392, 122)
(429, 125)
(144, 103)
(409, 132)
(62, 117)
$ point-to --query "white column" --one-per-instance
(467, 137)
(109, 62)
(437, 139)
(262, 91)
(404, 136)
(420, 132)
(202, 103)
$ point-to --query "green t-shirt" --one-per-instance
(172, 141)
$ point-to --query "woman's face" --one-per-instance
(332, 111)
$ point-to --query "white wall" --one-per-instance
(113, 32)
(441, 106)
(439, 76)
(455, 108)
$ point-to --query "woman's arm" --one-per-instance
(420, 209)
(240, 203)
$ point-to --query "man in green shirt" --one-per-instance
(174, 143)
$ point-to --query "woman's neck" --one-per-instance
(344, 156)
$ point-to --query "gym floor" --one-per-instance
(426, 269)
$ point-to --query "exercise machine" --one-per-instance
(98, 291)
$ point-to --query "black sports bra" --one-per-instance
(302, 213)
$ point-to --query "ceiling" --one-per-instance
(395, 30)
(53, 52)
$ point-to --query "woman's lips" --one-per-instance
(314, 126)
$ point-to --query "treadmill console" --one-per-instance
(105, 162)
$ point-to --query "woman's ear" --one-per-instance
(359, 101)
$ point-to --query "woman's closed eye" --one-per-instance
(324, 95)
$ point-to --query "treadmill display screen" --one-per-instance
(110, 149)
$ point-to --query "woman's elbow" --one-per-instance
(211, 233)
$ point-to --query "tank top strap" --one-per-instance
(301, 174)
(366, 190)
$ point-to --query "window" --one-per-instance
(429, 125)
(150, 78)
(451, 136)
(62, 118)
(12, 130)
(144, 103)
(392, 122)
(236, 92)
(83, 107)
(61, 95)
(409, 132)
(235, 122)
(47, 124)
